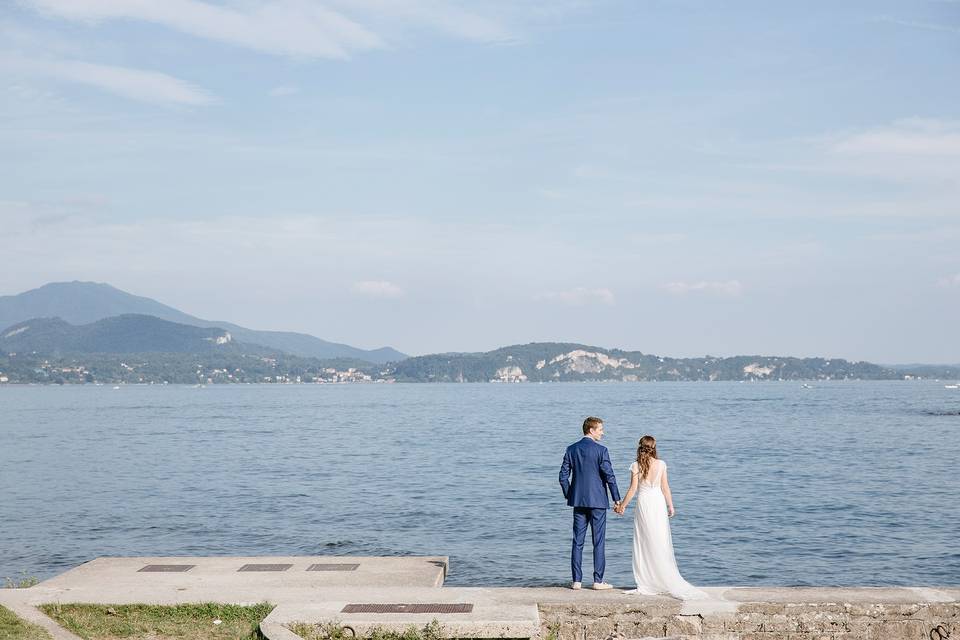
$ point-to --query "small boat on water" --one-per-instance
(951, 386)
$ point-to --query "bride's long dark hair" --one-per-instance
(646, 451)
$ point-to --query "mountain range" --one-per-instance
(83, 332)
(128, 333)
(82, 303)
(551, 361)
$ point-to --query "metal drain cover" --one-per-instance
(166, 568)
(409, 608)
(333, 567)
(265, 567)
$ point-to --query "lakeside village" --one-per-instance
(265, 370)
(534, 363)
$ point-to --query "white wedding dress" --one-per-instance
(654, 566)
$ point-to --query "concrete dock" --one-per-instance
(394, 593)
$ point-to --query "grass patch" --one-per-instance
(157, 622)
(336, 631)
(13, 628)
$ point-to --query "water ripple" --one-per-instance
(854, 484)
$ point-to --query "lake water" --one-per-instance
(845, 483)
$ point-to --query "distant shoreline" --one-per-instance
(800, 381)
(538, 362)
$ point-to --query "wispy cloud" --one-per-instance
(720, 288)
(656, 239)
(950, 281)
(291, 27)
(443, 17)
(378, 289)
(915, 136)
(277, 92)
(295, 28)
(136, 84)
(578, 297)
(928, 237)
(552, 194)
(914, 24)
(25, 218)
(920, 156)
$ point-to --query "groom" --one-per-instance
(589, 461)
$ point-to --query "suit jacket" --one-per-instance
(589, 462)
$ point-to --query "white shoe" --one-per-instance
(576, 586)
(601, 586)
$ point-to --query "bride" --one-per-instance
(654, 566)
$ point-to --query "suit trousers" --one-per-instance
(597, 519)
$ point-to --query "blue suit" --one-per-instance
(586, 492)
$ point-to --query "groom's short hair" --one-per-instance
(590, 424)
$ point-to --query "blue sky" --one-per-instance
(679, 177)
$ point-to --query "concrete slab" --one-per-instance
(564, 595)
(876, 595)
(495, 614)
(319, 596)
(218, 579)
(619, 600)
(935, 595)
